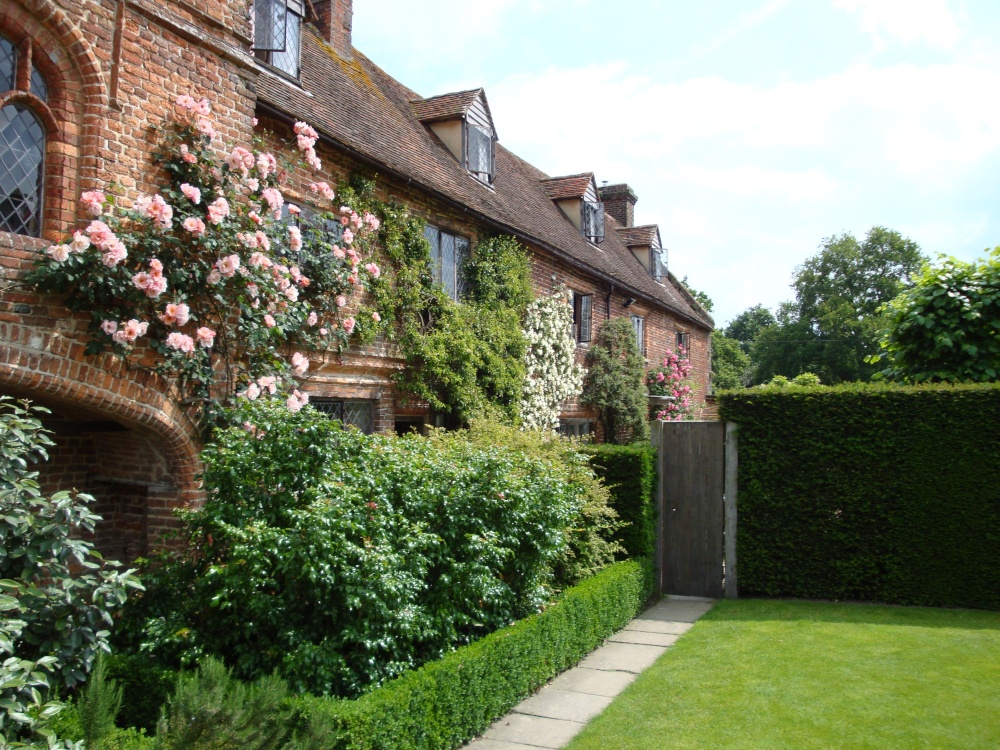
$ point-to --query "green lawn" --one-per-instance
(773, 674)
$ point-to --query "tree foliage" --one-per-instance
(833, 325)
(730, 364)
(946, 327)
(744, 327)
(615, 383)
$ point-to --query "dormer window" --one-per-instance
(644, 242)
(576, 197)
(277, 34)
(463, 123)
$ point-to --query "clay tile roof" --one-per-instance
(647, 235)
(444, 107)
(358, 107)
(572, 186)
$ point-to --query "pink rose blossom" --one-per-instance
(263, 242)
(274, 200)
(306, 136)
(252, 392)
(313, 160)
(341, 300)
(218, 210)
(59, 253)
(294, 238)
(240, 159)
(323, 332)
(348, 237)
(181, 342)
(254, 121)
(296, 401)
(349, 324)
(185, 102)
(266, 165)
(293, 209)
(203, 107)
(376, 317)
(175, 314)
(193, 194)
(269, 320)
(79, 243)
(186, 154)
(114, 253)
(214, 277)
(300, 364)
(93, 201)
(255, 218)
(194, 225)
(373, 269)
(312, 319)
(259, 259)
(132, 330)
(109, 326)
(268, 383)
(227, 266)
(323, 189)
(206, 337)
(292, 293)
(204, 127)
(253, 183)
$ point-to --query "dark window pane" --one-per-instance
(287, 60)
(433, 236)
(22, 153)
(461, 256)
(480, 144)
(586, 301)
(359, 414)
(38, 85)
(333, 409)
(448, 264)
(269, 25)
(8, 64)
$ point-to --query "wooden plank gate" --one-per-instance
(696, 543)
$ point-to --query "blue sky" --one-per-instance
(749, 130)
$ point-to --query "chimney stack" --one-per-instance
(619, 201)
(333, 19)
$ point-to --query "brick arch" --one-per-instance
(50, 367)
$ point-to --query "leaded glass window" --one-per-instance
(38, 85)
(8, 65)
(479, 144)
(448, 255)
(639, 326)
(22, 157)
(277, 33)
(582, 315)
(593, 221)
(351, 412)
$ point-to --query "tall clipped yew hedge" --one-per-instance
(870, 492)
(629, 471)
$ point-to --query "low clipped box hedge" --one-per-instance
(446, 702)
(870, 492)
(629, 471)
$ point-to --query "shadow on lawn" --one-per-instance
(789, 610)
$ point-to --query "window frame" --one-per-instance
(583, 317)
(265, 55)
(485, 177)
(683, 340)
(592, 221)
(458, 289)
(639, 328)
(582, 428)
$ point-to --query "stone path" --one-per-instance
(552, 716)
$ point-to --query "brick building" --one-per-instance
(82, 85)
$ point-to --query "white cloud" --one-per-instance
(929, 21)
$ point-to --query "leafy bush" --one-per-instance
(552, 375)
(878, 493)
(56, 592)
(614, 383)
(342, 560)
(629, 471)
(451, 700)
(590, 544)
(146, 685)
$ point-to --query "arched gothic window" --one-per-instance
(22, 146)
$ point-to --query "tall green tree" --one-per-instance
(833, 326)
(730, 366)
(745, 326)
(615, 383)
(947, 325)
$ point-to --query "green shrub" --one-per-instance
(342, 560)
(629, 471)
(57, 593)
(869, 492)
(591, 536)
(451, 700)
(146, 685)
(98, 704)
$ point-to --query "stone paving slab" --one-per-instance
(533, 730)
(686, 613)
(593, 681)
(659, 626)
(623, 657)
(486, 744)
(643, 638)
(552, 703)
